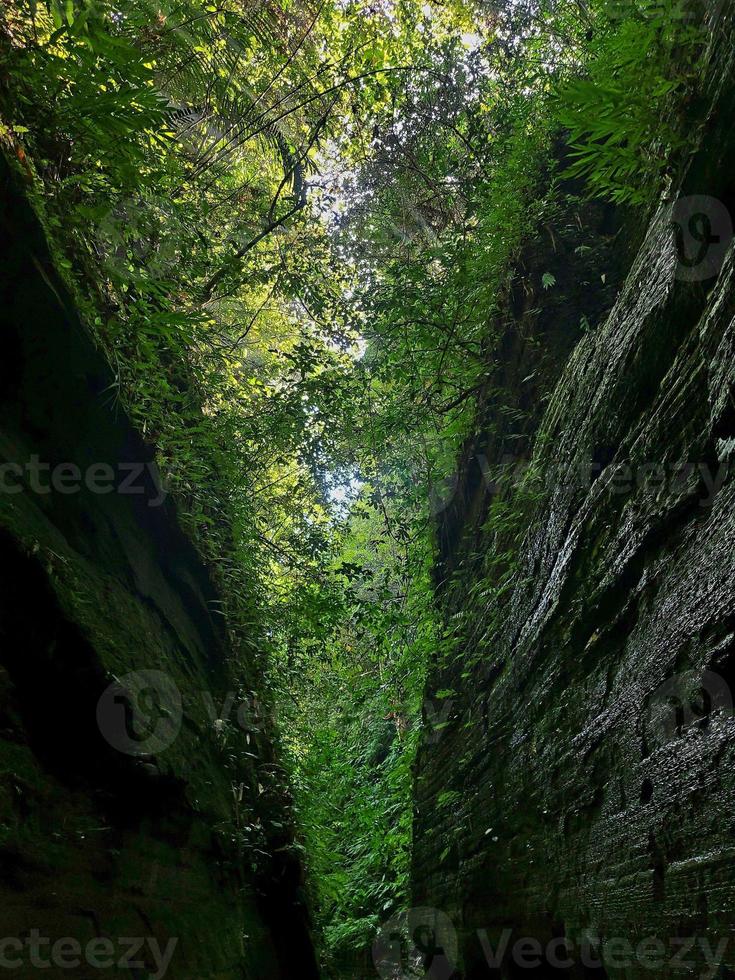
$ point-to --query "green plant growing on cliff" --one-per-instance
(621, 113)
(295, 229)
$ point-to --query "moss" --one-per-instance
(92, 587)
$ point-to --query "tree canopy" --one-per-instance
(293, 228)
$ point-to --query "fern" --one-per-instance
(619, 117)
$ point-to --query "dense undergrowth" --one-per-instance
(292, 228)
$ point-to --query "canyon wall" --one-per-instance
(579, 791)
(143, 816)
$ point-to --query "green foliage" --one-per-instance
(294, 228)
(621, 114)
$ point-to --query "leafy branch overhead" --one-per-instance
(296, 230)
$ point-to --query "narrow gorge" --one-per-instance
(366, 498)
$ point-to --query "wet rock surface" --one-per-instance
(583, 789)
(120, 819)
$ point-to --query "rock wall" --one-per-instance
(581, 793)
(129, 815)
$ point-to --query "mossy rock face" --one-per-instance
(591, 744)
(102, 839)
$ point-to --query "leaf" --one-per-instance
(57, 18)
